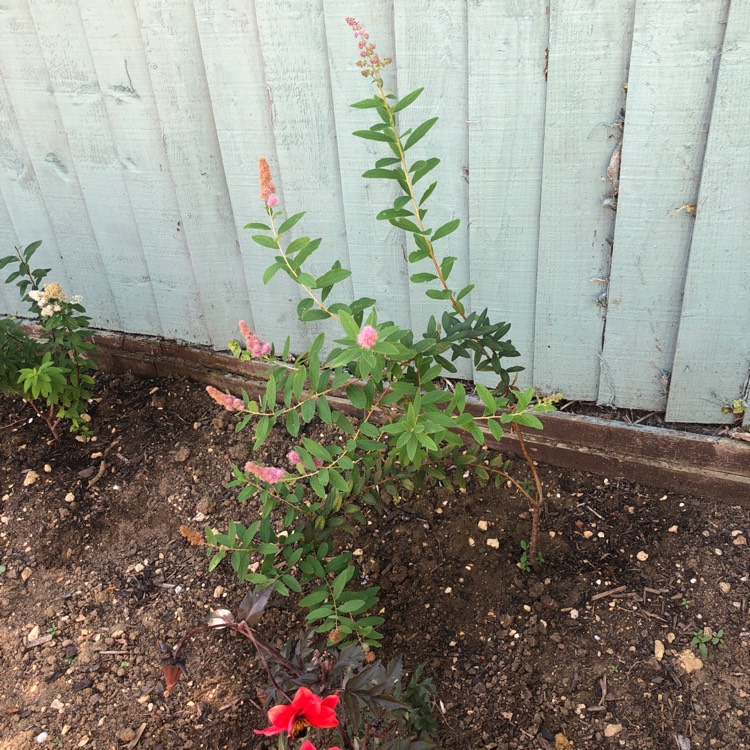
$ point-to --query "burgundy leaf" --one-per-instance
(254, 604)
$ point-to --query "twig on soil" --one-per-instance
(604, 594)
(589, 508)
(99, 474)
(13, 424)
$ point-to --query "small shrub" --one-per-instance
(51, 369)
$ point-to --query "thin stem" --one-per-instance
(294, 274)
(536, 506)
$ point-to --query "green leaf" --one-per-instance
(495, 429)
(405, 101)
(446, 229)
(419, 133)
(356, 395)
(446, 266)
(465, 291)
(265, 241)
(487, 398)
(352, 605)
(441, 294)
(287, 224)
(419, 278)
(270, 272)
(292, 423)
(257, 225)
(528, 420)
(334, 276)
(324, 410)
(296, 245)
(268, 549)
(386, 174)
(373, 135)
(366, 104)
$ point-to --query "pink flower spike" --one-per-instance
(254, 345)
(367, 337)
(269, 474)
(227, 400)
(293, 457)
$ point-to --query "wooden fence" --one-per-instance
(597, 152)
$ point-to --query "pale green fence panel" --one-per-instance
(507, 93)
(130, 132)
(676, 47)
(589, 49)
(33, 100)
(713, 347)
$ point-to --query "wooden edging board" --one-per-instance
(712, 467)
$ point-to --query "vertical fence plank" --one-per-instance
(172, 47)
(675, 47)
(33, 100)
(116, 48)
(507, 93)
(713, 347)
(292, 35)
(588, 58)
(99, 170)
(26, 210)
(431, 51)
(9, 301)
(376, 249)
(242, 114)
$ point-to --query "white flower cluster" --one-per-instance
(49, 299)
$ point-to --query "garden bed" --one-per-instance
(595, 652)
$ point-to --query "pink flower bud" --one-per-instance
(273, 200)
(269, 474)
(367, 337)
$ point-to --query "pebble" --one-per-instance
(182, 455)
(218, 591)
(42, 737)
(57, 705)
(47, 469)
(612, 730)
(70, 497)
(574, 614)
(494, 543)
(26, 574)
(33, 633)
(689, 661)
(740, 541)
(658, 650)
(30, 478)
(725, 587)
(642, 556)
(672, 529)
(471, 542)
(482, 525)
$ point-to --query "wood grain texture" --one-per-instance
(712, 360)
(116, 48)
(292, 36)
(376, 249)
(26, 210)
(507, 94)
(95, 160)
(588, 57)
(431, 51)
(234, 65)
(676, 44)
(33, 100)
(172, 47)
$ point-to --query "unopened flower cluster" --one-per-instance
(50, 297)
(369, 60)
(255, 346)
(267, 188)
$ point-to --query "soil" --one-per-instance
(593, 653)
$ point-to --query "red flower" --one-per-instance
(306, 710)
(307, 745)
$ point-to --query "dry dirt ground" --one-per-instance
(594, 653)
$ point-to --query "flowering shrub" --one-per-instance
(51, 370)
(407, 429)
(347, 689)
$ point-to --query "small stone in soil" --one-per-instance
(30, 478)
(612, 730)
